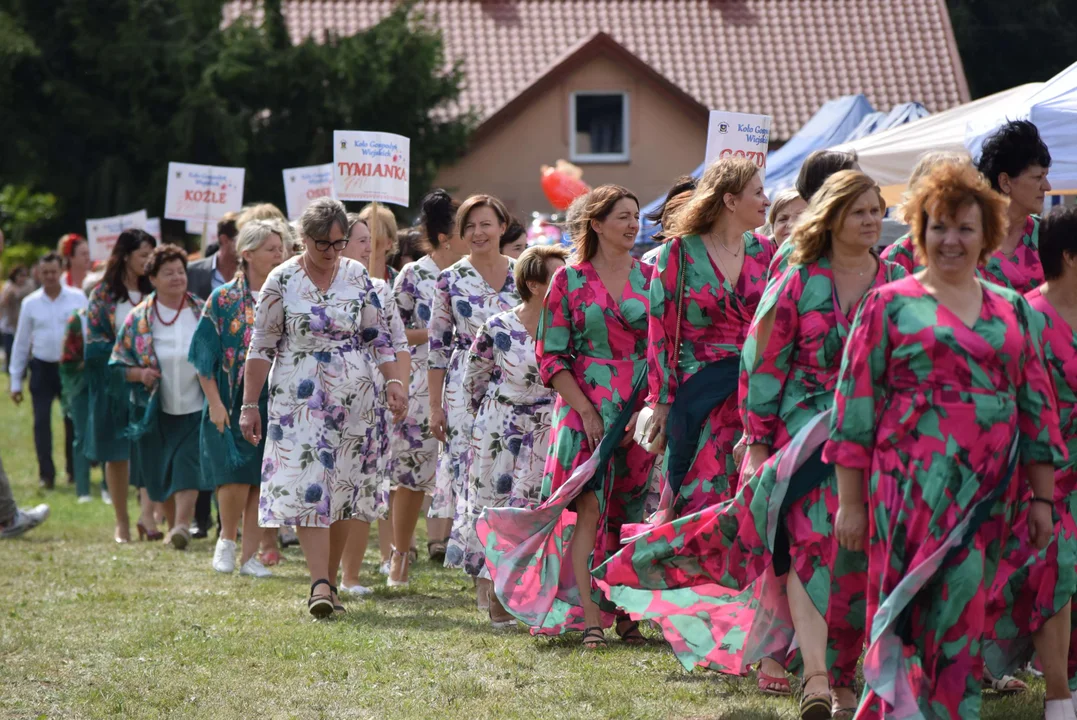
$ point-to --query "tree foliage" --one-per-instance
(1005, 43)
(109, 91)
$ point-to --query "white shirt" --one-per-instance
(40, 331)
(124, 308)
(180, 392)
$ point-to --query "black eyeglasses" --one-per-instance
(324, 245)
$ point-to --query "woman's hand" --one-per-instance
(437, 423)
(630, 430)
(250, 424)
(593, 429)
(1041, 524)
(148, 377)
(851, 526)
(658, 423)
(757, 457)
(398, 401)
(739, 451)
(218, 415)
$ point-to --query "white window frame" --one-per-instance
(594, 158)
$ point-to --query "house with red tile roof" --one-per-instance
(622, 88)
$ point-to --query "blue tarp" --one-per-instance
(834, 123)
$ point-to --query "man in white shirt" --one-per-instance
(39, 339)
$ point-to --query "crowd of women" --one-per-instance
(790, 452)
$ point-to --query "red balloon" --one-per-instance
(561, 188)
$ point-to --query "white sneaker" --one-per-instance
(105, 497)
(255, 568)
(83, 499)
(384, 569)
(359, 590)
(1059, 710)
(25, 520)
(224, 556)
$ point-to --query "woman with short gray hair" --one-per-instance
(317, 313)
(218, 352)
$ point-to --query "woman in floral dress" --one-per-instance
(124, 285)
(1031, 598)
(779, 520)
(468, 294)
(317, 315)
(219, 352)
(723, 276)
(942, 393)
(512, 410)
(592, 349)
(413, 465)
(76, 398)
(374, 420)
(1015, 161)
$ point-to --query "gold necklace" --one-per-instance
(723, 246)
(306, 269)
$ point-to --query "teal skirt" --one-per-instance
(108, 415)
(227, 458)
(168, 458)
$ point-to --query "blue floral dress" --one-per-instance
(315, 442)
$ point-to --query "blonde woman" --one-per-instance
(789, 367)
(219, 353)
(784, 212)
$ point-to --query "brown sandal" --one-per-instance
(816, 706)
(594, 638)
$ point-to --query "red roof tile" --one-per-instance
(780, 57)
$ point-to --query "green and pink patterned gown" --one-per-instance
(602, 342)
(1021, 270)
(937, 414)
(1032, 585)
(903, 252)
(715, 316)
(682, 574)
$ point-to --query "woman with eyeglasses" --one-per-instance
(317, 315)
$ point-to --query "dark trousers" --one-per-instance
(203, 512)
(44, 390)
(7, 340)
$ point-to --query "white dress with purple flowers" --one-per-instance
(511, 434)
(315, 432)
(414, 447)
(463, 301)
(371, 418)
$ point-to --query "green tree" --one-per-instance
(1005, 43)
(108, 92)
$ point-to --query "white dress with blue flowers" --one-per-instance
(463, 301)
(414, 447)
(511, 434)
(316, 431)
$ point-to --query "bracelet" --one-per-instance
(248, 406)
(394, 381)
(1045, 501)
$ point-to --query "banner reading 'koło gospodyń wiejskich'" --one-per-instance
(371, 166)
(303, 185)
(732, 134)
(203, 193)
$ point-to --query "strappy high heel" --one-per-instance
(816, 706)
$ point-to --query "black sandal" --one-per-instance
(632, 635)
(337, 607)
(320, 607)
(594, 638)
(816, 706)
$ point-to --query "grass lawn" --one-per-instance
(90, 629)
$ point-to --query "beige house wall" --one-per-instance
(667, 139)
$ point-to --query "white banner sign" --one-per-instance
(304, 184)
(371, 166)
(153, 227)
(102, 232)
(202, 192)
(738, 135)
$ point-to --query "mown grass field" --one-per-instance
(89, 629)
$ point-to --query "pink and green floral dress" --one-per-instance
(937, 414)
(714, 322)
(1032, 585)
(713, 580)
(1021, 270)
(463, 301)
(511, 434)
(316, 440)
(602, 342)
(903, 252)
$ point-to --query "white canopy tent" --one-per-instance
(889, 156)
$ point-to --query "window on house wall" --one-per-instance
(599, 127)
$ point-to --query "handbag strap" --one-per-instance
(680, 305)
